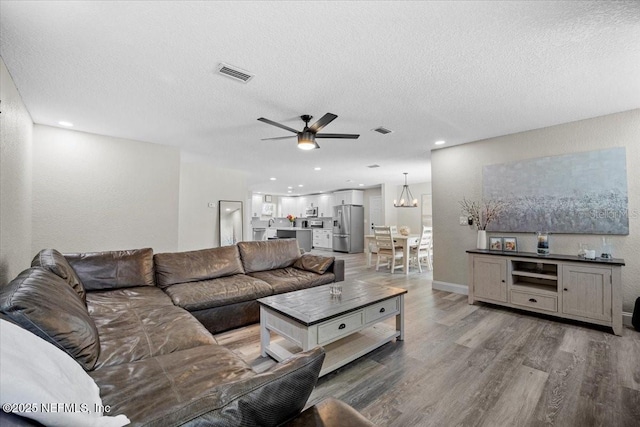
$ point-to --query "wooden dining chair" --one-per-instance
(387, 247)
(423, 249)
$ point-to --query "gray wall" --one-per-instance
(201, 184)
(94, 192)
(457, 173)
(15, 180)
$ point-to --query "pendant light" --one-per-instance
(406, 198)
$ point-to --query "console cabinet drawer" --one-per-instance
(381, 310)
(541, 302)
(339, 327)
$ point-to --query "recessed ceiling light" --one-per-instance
(272, 179)
(66, 124)
(317, 169)
(360, 185)
(439, 142)
(289, 187)
(289, 191)
(300, 185)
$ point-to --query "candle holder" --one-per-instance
(543, 243)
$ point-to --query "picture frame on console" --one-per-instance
(495, 243)
(509, 244)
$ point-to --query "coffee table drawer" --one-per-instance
(380, 310)
(339, 327)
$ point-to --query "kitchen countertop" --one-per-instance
(292, 228)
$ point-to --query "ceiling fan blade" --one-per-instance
(281, 126)
(278, 137)
(337, 135)
(324, 120)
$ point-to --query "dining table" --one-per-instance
(406, 242)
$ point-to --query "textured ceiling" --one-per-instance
(458, 71)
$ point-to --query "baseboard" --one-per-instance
(453, 287)
(626, 318)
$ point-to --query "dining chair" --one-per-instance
(423, 249)
(394, 229)
(387, 248)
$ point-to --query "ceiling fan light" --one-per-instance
(306, 141)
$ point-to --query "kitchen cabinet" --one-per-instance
(301, 207)
(288, 205)
(325, 205)
(348, 197)
(322, 238)
(564, 286)
(312, 201)
(256, 205)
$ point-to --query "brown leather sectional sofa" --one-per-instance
(127, 317)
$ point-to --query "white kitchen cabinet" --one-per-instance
(256, 205)
(301, 207)
(270, 232)
(288, 205)
(325, 205)
(559, 285)
(322, 238)
(312, 201)
(348, 197)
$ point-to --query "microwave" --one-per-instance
(311, 213)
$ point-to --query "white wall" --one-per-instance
(457, 173)
(94, 193)
(15, 180)
(200, 184)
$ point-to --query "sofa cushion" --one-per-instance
(113, 269)
(46, 378)
(192, 266)
(139, 323)
(157, 387)
(269, 254)
(55, 262)
(209, 386)
(315, 263)
(217, 292)
(292, 279)
(45, 304)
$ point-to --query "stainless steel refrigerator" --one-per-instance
(348, 229)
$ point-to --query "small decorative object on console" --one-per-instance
(606, 249)
(510, 244)
(482, 214)
(495, 243)
(404, 230)
(543, 243)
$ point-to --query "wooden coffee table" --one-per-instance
(347, 327)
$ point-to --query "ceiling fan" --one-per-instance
(307, 136)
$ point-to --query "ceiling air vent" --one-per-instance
(373, 166)
(382, 130)
(234, 72)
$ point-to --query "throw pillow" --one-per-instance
(55, 262)
(314, 263)
(48, 386)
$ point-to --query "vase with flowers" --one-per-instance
(292, 219)
(481, 214)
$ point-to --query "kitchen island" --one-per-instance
(303, 235)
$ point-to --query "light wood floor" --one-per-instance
(478, 365)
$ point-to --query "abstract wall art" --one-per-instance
(580, 193)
